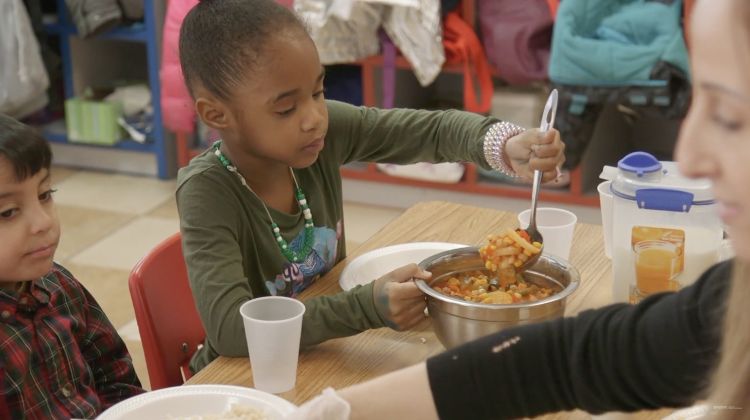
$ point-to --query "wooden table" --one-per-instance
(346, 361)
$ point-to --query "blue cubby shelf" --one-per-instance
(55, 133)
(136, 32)
(145, 33)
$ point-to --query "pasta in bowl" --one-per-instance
(457, 320)
(476, 286)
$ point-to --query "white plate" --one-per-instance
(196, 400)
(695, 412)
(373, 264)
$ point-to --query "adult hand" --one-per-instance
(326, 406)
(533, 150)
(398, 300)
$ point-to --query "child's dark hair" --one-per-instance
(219, 39)
(24, 147)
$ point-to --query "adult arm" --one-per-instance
(659, 353)
(618, 358)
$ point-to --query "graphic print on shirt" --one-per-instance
(296, 277)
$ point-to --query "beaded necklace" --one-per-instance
(290, 254)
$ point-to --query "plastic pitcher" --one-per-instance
(665, 229)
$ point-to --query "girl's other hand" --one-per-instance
(398, 300)
(533, 150)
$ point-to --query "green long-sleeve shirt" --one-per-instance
(229, 247)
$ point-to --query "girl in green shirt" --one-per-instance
(261, 212)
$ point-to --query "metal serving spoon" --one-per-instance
(548, 119)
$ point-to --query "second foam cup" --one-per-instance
(273, 327)
(556, 226)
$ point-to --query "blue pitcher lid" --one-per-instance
(639, 163)
(657, 185)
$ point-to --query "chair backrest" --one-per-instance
(165, 311)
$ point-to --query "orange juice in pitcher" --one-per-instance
(665, 229)
(657, 263)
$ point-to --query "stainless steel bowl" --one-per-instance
(457, 321)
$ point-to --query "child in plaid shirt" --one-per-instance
(60, 357)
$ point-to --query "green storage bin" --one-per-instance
(94, 122)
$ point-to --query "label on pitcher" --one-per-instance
(659, 258)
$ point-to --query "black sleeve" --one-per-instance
(621, 357)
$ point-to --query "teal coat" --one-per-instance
(616, 42)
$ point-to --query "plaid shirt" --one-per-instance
(60, 357)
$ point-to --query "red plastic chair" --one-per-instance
(168, 320)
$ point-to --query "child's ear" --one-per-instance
(213, 113)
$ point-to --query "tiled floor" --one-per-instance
(110, 221)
